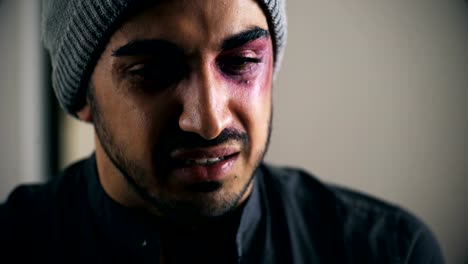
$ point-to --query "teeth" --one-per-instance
(204, 161)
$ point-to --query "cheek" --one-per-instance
(251, 102)
(254, 95)
(153, 116)
(138, 120)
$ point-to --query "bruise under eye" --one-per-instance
(238, 65)
(243, 60)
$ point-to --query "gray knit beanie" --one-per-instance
(75, 32)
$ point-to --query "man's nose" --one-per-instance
(205, 105)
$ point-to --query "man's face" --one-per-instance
(181, 103)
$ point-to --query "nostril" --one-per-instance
(187, 122)
(207, 124)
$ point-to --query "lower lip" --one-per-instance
(199, 173)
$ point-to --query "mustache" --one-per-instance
(188, 140)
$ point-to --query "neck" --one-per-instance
(213, 241)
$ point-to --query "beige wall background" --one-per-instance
(22, 157)
(374, 95)
(371, 95)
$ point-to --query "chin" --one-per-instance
(204, 200)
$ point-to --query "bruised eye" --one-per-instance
(238, 65)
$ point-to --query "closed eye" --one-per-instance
(157, 75)
(238, 65)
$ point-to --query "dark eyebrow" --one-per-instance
(145, 47)
(151, 46)
(244, 37)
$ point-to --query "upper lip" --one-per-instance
(203, 153)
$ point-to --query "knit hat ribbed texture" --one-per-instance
(75, 32)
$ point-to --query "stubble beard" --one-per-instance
(177, 210)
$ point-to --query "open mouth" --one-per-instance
(191, 165)
(200, 161)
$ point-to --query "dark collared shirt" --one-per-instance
(290, 217)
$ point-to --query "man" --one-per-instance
(180, 96)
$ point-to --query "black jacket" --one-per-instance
(290, 217)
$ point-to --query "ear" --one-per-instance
(85, 114)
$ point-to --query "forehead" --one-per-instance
(192, 24)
